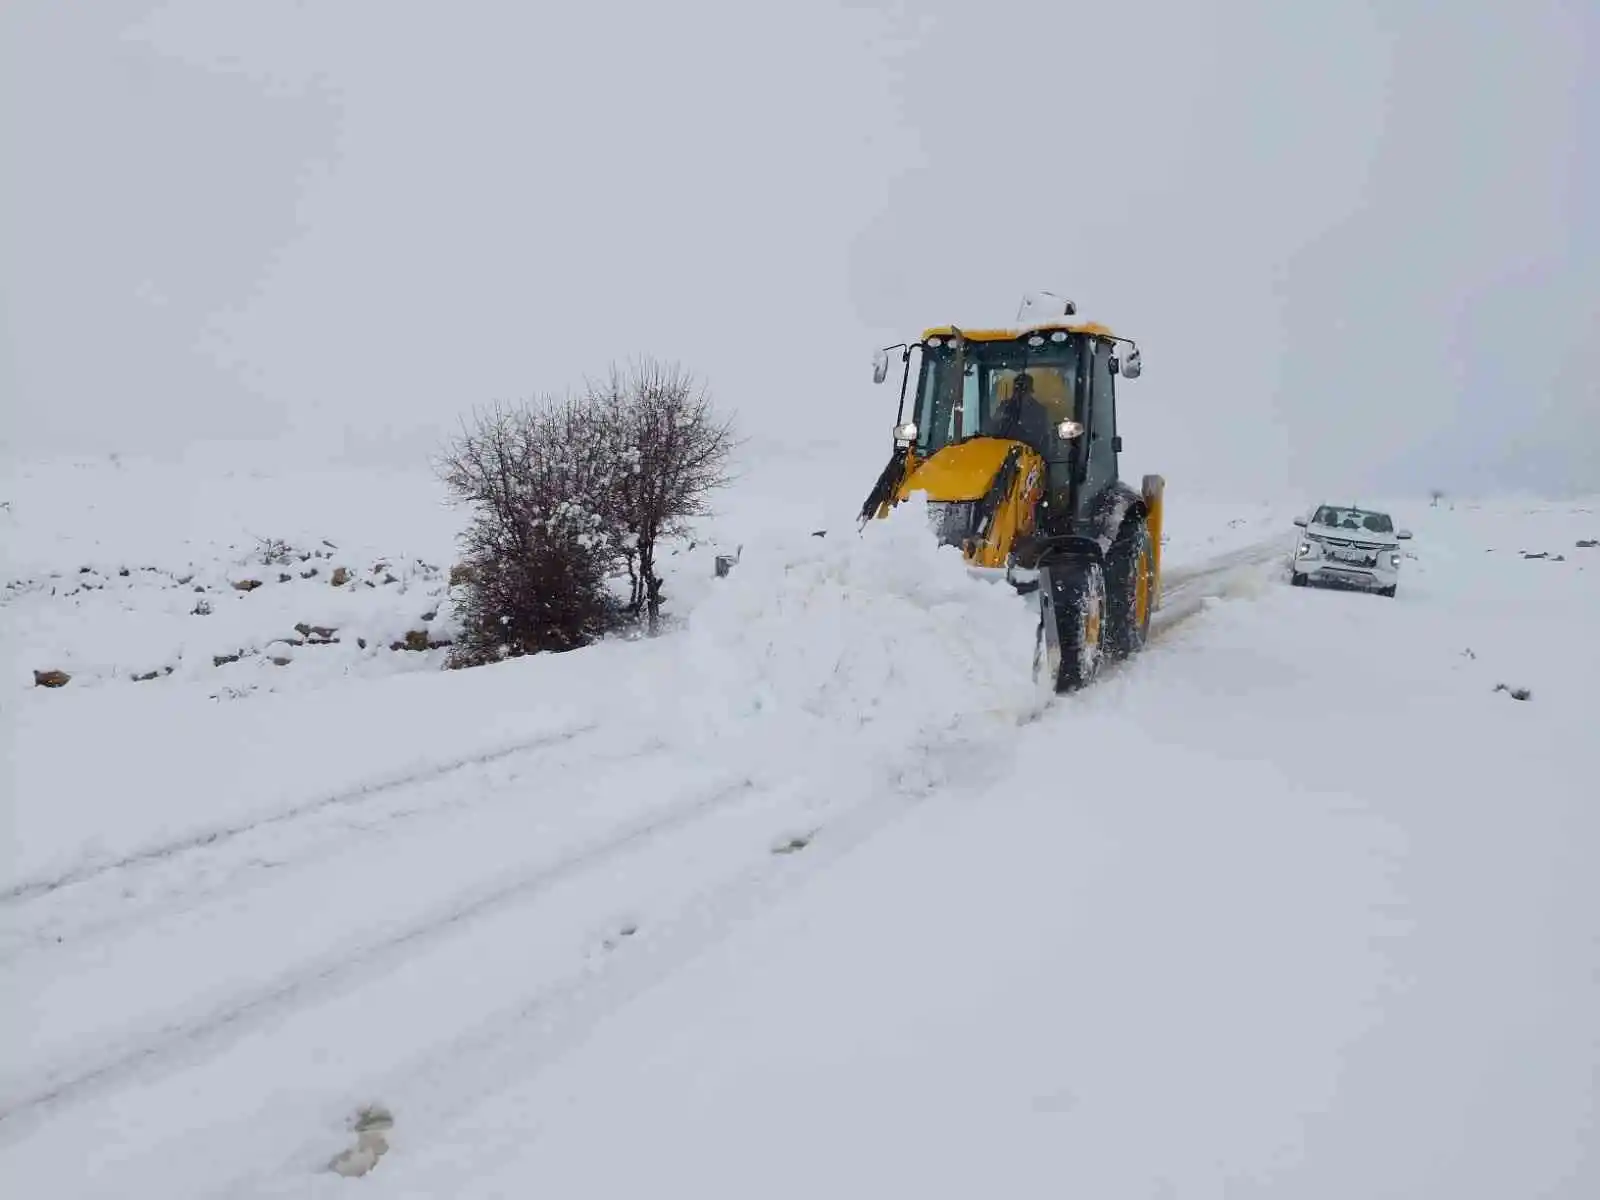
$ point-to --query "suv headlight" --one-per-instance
(1305, 549)
(1394, 561)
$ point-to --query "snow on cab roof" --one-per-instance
(1006, 335)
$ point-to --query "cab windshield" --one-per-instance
(1001, 389)
(1357, 519)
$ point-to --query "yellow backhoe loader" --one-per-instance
(1012, 436)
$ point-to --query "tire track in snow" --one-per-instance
(540, 1028)
(356, 794)
(1185, 591)
(327, 972)
(150, 891)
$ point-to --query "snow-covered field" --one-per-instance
(816, 894)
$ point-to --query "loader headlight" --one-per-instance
(905, 434)
(1068, 430)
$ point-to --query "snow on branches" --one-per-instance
(568, 494)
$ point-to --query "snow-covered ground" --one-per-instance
(138, 571)
(816, 894)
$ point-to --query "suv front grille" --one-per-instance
(1351, 552)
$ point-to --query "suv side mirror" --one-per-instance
(1300, 521)
(880, 366)
(1404, 535)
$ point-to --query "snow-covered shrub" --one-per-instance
(569, 495)
(540, 545)
(670, 451)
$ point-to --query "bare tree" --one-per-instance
(540, 545)
(671, 451)
(566, 495)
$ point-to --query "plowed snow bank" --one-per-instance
(885, 635)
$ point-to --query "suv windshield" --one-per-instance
(1357, 519)
(1003, 389)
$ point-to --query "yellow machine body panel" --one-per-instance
(962, 471)
(1014, 515)
(1154, 490)
(965, 473)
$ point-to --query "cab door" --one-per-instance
(1100, 452)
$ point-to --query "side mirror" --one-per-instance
(1131, 367)
(880, 366)
(1116, 365)
(1404, 535)
(1300, 521)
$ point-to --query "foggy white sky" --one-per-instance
(1356, 241)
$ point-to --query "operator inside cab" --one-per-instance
(1020, 415)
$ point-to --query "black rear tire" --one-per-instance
(1130, 589)
(1072, 622)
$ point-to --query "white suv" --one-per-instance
(1355, 547)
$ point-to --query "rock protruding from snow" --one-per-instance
(371, 1127)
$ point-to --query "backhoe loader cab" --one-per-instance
(1012, 436)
